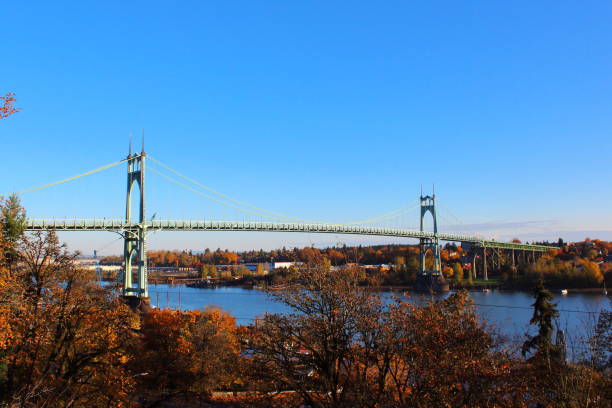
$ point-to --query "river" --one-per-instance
(507, 312)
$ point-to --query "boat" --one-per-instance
(564, 291)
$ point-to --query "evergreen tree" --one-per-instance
(601, 342)
(544, 311)
(13, 224)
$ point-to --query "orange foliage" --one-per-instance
(7, 108)
(64, 337)
(186, 353)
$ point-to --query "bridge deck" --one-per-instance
(209, 225)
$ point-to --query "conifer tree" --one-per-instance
(12, 224)
(544, 311)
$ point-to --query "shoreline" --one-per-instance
(470, 288)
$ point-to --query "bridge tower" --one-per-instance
(135, 239)
(430, 280)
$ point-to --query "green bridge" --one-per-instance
(116, 225)
(135, 229)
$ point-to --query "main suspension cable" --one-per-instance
(260, 211)
(445, 208)
(108, 166)
(384, 217)
(225, 196)
(178, 183)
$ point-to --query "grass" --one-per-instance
(491, 281)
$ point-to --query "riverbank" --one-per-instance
(475, 287)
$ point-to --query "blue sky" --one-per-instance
(330, 111)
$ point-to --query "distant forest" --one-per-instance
(577, 265)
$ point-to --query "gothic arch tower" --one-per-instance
(430, 279)
(135, 247)
(426, 245)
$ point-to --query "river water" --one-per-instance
(507, 312)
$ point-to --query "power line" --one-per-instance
(200, 294)
(475, 304)
(531, 308)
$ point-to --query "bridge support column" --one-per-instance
(135, 247)
(432, 279)
(484, 262)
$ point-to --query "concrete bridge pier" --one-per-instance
(485, 274)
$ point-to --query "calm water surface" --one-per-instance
(509, 312)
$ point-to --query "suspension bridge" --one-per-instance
(135, 228)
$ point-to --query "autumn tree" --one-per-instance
(203, 271)
(444, 356)
(68, 335)
(448, 272)
(458, 272)
(184, 355)
(311, 351)
(6, 105)
(212, 272)
(342, 347)
(260, 271)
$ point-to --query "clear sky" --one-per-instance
(329, 111)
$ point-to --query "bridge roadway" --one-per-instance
(115, 225)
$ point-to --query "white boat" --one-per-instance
(564, 291)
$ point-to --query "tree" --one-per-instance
(12, 224)
(212, 272)
(548, 380)
(7, 108)
(204, 271)
(458, 271)
(342, 347)
(185, 354)
(312, 350)
(448, 272)
(544, 311)
(69, 336)
(260, 271)
(445, 357)
(244, 272)
(235, 271)
(601, 342)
